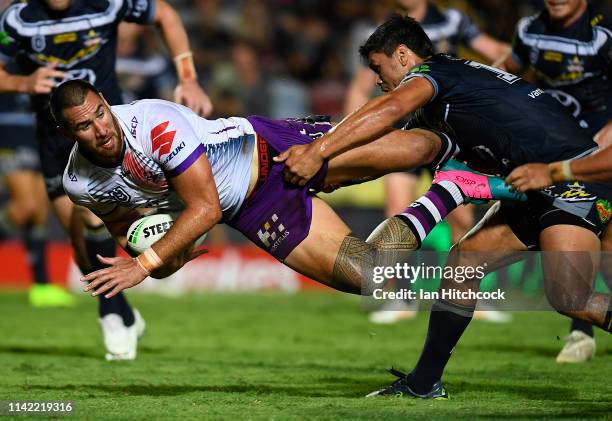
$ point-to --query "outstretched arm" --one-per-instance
(366, 124)
(593, 168)
(187, 91)
(197, 190)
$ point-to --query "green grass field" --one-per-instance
(275, 356)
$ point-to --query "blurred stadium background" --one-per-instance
(279, 345)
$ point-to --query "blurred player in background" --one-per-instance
(566, 49)
(54, 40)
(27, 209)
(448, 29)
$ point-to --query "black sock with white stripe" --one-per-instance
(447, 322)
(427, 211)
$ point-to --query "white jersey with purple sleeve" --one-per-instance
(162, 140)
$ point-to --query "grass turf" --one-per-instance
(275, 356)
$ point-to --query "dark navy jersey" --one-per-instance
(573, 64)
(448, 29)
(497, 120)
(81, 40)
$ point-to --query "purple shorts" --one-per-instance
(277, 215)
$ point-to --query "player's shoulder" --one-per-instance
(601, 23)
(454, 15)
(530, 25)
(15, 12)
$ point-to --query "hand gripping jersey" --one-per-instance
(161, 140)
(497, 120)
(573, 64)
(82, 40)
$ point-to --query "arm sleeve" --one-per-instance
(467, 30)
(171, 140)
(139, 11)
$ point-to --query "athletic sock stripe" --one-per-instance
(443, 198)
(452, 190)
(431, 207)
(443, 305)
(411, 227)
(416, 224)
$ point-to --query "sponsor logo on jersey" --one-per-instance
(536, 93)
(72, 177)
(120, 195)
(161, 139)
(553, 56)
(139, 8)
(38, 43)
(93, 39)
(64, 38)
(272, 237)
(175, 152)
(572, 192)
(133, 126)
(575, 65)
(420, 69)
(604, 210)
(4, 38)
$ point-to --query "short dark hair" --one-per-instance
(71, 93)
(395, 31)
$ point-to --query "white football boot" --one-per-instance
(120, 341)
(394, 311)
(579, 348)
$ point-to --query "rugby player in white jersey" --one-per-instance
(157, 154)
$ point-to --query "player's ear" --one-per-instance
(402, 53)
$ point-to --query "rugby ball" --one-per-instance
(146, 231)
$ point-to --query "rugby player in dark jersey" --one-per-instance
(566, 49)
(448, 29)
(498, 122)
(55, 40)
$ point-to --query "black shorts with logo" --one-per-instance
(587, 205)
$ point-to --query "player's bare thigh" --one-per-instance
(315, 257)
(570, 263)
(29, 202)
(398, 150)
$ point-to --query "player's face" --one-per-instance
(389, 70)
(58, 5)
(562, 9)
(93, 126)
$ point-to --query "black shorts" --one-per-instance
(18, 148)
(586, 205)
(54, 151)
